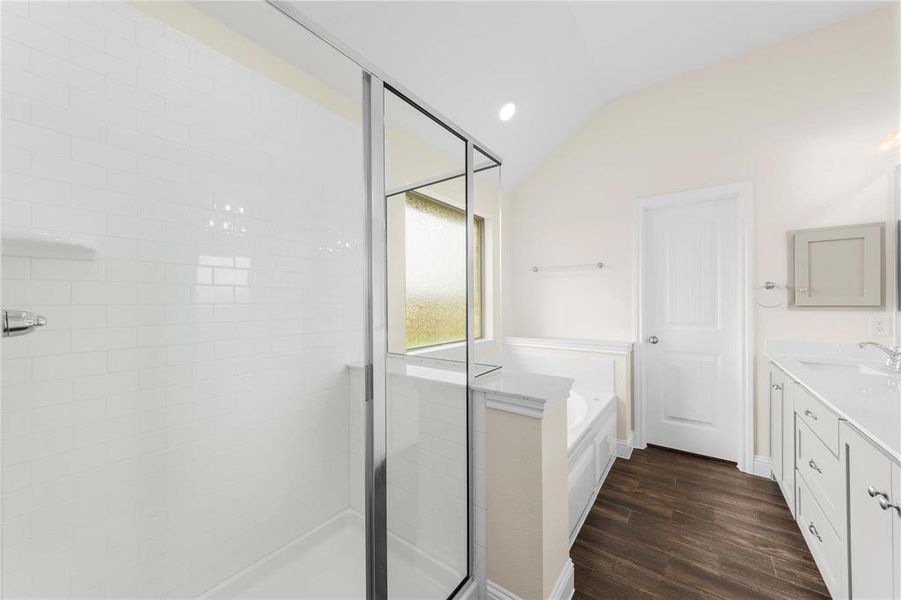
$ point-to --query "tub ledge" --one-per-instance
(527, 394)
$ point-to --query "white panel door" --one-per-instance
(691, 369)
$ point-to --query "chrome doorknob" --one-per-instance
(654, 339)
(20, 322)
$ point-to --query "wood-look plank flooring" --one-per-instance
(674, 525)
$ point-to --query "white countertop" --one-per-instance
(852, 382)
(525, 385)
(528, 394)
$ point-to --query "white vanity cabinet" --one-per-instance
(819, 488)
(845, 481)
(874, 527)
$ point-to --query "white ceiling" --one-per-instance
(558, 61)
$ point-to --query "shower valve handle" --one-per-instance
(20, 322)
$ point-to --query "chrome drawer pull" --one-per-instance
(873, 492)
(777, 386)
(812, 528)
(814, 466)
(884, 504)
(810, 414)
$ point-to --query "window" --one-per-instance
(435, 251)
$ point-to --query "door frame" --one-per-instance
(743, 195)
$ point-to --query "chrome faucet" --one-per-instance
(893, 354)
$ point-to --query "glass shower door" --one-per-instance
(427, 430)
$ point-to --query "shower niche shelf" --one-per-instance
(45, 244)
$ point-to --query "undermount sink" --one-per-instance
(851, 368)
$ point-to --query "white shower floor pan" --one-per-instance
(330, 563)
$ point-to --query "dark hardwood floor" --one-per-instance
(673, 525)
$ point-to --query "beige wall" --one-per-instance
(514, 510)
(527, 504)
(801, 120)
(555, 503)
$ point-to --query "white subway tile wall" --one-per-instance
(185, 412)
(427, 469)
(427, 493)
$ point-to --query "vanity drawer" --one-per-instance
(824, 544)
(822, 421)
(821, 471)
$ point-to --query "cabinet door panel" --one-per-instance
(896, 528)
(776, 450)
(870, 536)
(839, 266)
(788, 443)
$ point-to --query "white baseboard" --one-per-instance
(497, 592)
(564, 588)
(761, 466)
(566, 582)
(624, 448)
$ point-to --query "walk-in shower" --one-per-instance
(264, 267)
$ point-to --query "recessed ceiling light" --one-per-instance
(507, 111)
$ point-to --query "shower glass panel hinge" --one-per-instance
(20, 322)
(367, 382)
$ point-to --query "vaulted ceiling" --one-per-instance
(558, 61)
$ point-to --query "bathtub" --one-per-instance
(591, 450)
(590, 409)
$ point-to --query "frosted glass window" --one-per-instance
(435, 252)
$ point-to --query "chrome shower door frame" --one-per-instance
(376, 351)
(374, 84)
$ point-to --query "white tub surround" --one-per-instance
(592, 448)
(586, 361)
(835, 429)
(526, 469)
(587, 345)
(599, 369)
